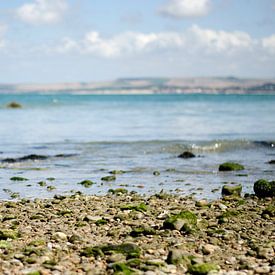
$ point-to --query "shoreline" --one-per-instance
(126, 233)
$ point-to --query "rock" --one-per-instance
(118, 191)
(178, 256)
(6, 234)
(18, 179)
(156, 173)
(265, 252)
(270, 210)
(231, 166)
(202, 203)
(232, 189)
(141, 207)
(86, 183)
(117, 172)
(142, 230)
(108, 178)
(14, 105)
(185, 221)
(209, 249)
(272, 161)
(60, 236)
(129, 249)
(121, 268)
(186, 155)
(201, 269)
(263, 188)
(25, 158)
(90, 218)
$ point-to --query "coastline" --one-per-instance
(126, 233)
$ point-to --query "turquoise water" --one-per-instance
(138, 134)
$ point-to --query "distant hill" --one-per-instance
(213, 85)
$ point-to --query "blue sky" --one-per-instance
(93, 40)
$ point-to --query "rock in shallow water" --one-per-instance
(186, 155)
(233, 189)
(231, 166)
(264, 188)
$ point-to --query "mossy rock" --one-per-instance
(128, 249)
(142, 231)
(18, 179)
(179, 257)
(185, 221)
(14, 105)
(202, 269)
(117, 172)
(142, 207)
(6, 234)
(108, 178)
(263, 188)
(42, 183)
(122, 268)
(86, 183)
(5, 244)
(232, 190)
(231, 166)
(270, 210)
(118, 191)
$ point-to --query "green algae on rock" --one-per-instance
(264, 188)
(18, 179)
(86, 183)
(232, 190)
(202, 269)
(142, 207)
(185, 221)
(6, 234)
(142, 231)
(231, 166)
(108, 178)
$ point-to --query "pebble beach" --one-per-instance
(128, 233)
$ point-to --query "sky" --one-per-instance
(48, 41)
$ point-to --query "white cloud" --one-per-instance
(123, 44)
(185, 8)
(3, 29)
(268, 44)
(42, 11)
(194, 40)
(220, 41)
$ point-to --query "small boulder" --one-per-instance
(232, 190)
(186, 155)
(108, 178)
(231, 166)
(263, 188)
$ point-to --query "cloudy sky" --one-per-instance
(89, 40)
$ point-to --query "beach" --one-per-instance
(124, 233)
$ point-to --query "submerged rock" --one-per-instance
(186, 155)
(108, 178)
(263, 188)
(232, 189)
(14, 105)
(231, 166)
(86, 183)
(18, 179)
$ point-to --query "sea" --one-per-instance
(85, 137)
